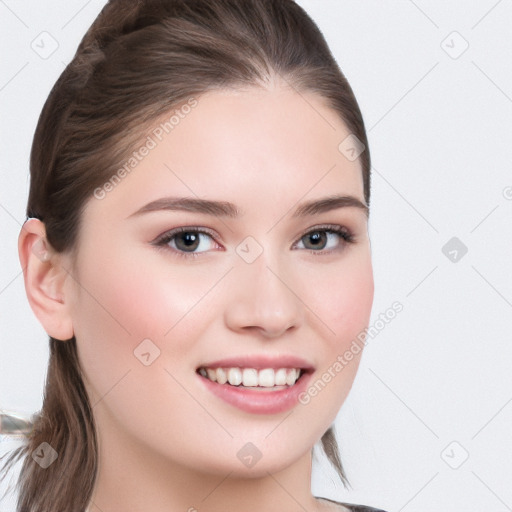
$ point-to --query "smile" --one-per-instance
(252, 377)
(262, 390)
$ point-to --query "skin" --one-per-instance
(165, 442)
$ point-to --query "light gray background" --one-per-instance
(435, 385)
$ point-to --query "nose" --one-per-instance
(262, 299)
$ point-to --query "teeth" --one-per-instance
(235, 376)
(266, 378)
(291, 377)
(280, 377)
(221, 375)
(251, 377)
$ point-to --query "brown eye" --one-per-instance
(325, 239)
(188, 240)
(185, 241)
(317, 239)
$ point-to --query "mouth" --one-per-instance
(257, 383)
(264, 379)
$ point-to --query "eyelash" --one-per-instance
(162, 241)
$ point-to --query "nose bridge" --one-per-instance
(262, 293)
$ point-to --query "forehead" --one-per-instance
(249, 147)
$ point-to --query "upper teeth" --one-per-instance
(251, 377)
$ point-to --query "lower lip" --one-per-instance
(259, 401)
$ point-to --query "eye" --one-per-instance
(325, 239)
(185, 241)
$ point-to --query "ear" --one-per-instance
(44, 280)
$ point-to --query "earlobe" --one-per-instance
(44, 278)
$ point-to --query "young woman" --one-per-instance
(196, 247)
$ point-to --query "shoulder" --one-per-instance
(350, 507)
(361, 508)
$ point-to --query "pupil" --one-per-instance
(316, 238)
(189, 239)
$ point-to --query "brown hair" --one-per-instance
(137, 61)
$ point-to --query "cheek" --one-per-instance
(353, 303)
(343, 298)
(139, 298)
(133, 300)
(126, 304)
(345, 307)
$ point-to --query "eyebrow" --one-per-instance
(226, 209)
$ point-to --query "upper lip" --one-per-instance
(259, 362)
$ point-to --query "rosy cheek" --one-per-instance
(346, 302)
(135, 300)
(356, 300)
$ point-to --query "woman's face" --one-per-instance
(252, 291)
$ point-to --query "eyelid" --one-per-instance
(339, 228)
(183, 229)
